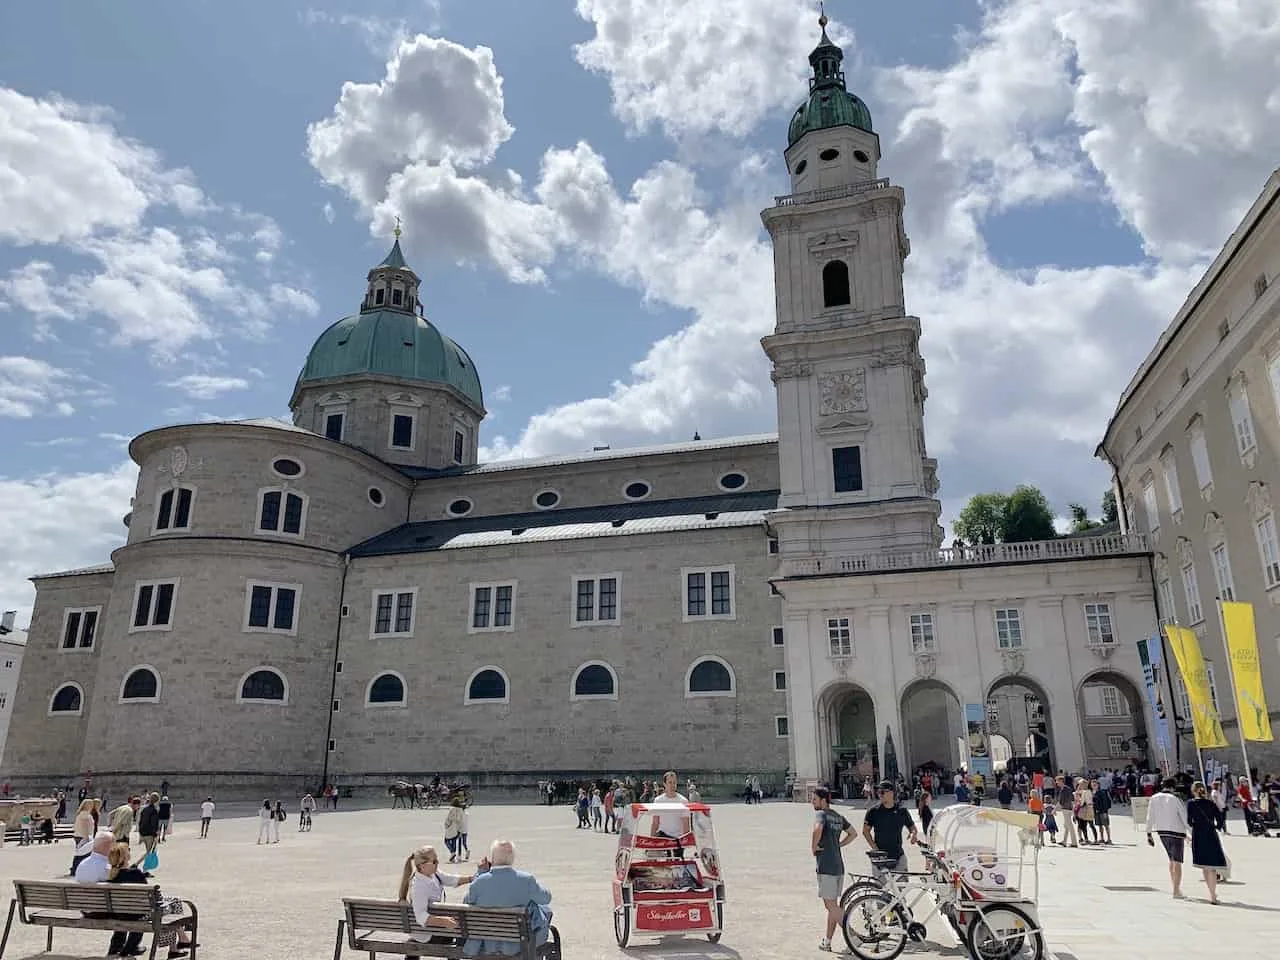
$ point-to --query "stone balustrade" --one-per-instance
(831, 193)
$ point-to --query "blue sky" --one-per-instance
(182, 211)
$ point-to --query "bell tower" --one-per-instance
(855, 475)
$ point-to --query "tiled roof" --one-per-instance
(79, 572)
(622, 453)
(577, 523)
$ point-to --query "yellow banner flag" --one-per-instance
(1204, 715)
(1242, 647)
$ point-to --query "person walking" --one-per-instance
(277, 818)
(1102, 812)
(1206, 847)
(264, 822)
(149, 823)
(1220, 804)
(1167, 818)
(206, 816)
(1066, 800)
(305, 809)
(453, 829)
(166, 817)
(831, 832)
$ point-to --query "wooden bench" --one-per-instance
(132, 907)
(61, 831)
(387, 926)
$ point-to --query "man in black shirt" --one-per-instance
(883, 826)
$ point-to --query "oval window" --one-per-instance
(546, 499)
(636, 490)
(286, 467)
(861, 156)
(829, 154)
(800, 167)
(376, 497)
(733, 481)
(460, 507)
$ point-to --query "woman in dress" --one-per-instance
(1206, 847)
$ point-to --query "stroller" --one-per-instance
(1260, 816)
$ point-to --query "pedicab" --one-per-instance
(666, 875)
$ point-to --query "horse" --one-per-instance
(405, 794)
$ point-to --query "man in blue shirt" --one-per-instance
(831, 832)
(505, 886)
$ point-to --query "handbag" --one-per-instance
(151, 861)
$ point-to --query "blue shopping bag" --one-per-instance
(151, 861)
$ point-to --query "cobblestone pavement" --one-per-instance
(284, 901)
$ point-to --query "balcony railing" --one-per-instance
(831, 193)
(1067, 548)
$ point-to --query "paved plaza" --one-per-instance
(284, 901)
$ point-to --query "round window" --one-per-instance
(733, 481)
(460, 507)
(800, 167)
(376, 497)
(546, 499)
(286, 467)
(829, 154)
(636, 490)
(861, 156)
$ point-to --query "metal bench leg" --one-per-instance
(337, 946)
(4, 941)
(48, 947)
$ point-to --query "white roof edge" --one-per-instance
(78, 572)
(622, 453)
(589, 531)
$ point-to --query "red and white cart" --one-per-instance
(666, 875)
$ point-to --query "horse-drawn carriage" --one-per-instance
(428, 796)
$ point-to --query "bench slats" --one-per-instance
(382, 926)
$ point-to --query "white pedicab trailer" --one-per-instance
(666, 874)
(992, 857)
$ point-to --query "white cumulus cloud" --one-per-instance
(201, 386)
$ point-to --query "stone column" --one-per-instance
(803, 721)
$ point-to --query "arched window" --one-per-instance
(710, 677)
(488, 685)
(142, 683)
(386, 688)
(835, 284)
(68, 698)
(263, 685)
(594, 680)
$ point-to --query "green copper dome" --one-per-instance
(829, 104)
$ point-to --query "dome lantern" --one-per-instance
(392, 283)
(830, 104)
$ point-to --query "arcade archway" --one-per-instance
(848, 737)
(932, 724)
(1113, 721)
(1018, 710)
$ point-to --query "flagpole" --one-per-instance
(1231, 673)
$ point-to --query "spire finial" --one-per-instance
(396, 231)
(822, 15)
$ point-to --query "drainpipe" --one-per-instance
(333, 671)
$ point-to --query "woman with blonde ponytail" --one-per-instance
(422, 884)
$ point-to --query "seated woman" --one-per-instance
(423, 883)
(122, 871)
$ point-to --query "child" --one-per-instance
(1050, 822)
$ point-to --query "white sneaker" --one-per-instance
(824, 944)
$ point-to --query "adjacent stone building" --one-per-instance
(1195, 445)
(352, 597)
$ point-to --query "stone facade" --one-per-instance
(1195, 445)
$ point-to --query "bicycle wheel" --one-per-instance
(1003, 932)
(857, 883)
(874, 926)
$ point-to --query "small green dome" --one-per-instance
(392, 343)
(829, 104)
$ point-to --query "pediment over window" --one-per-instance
(1214, 527)
(1259, 499)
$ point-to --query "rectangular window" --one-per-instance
(1267, 549)
(492, 606)
(173, 511)
(79, 628)
(779, 637)
(1111, 702)
(1150, 505)
(1191, 587)
(1222, 572)
(459, 446)
(402, 431)
(773, 546)
(153, 605)
(1009, 628)
(1169, 469)
(1115, 745)
(846, 466)
(922, 638)
(1097, 617)
(1168, 612)
(779, 680)
(397, 297)
(595, 599)
(271, 607)
(780, 727)
(393, 612)
(282, 512)
(333, 425)
(4, 700)
(1273, 374)
(1200, 459)
(839, 637)
(1242, 421)
(708, 593)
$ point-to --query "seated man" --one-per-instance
(505, 886)
(96, 868)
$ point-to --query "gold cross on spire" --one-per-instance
(396, 231)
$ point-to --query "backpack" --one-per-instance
(280, 815)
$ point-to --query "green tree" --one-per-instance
(1027, 516)
(1110, 513)
(1080, 521)
(982, 519)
